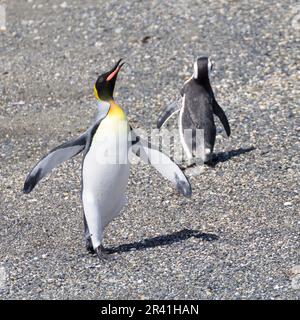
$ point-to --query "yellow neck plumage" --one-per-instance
(116, 112)
(114, 123)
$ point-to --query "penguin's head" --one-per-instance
(105, 84)
(202, 69)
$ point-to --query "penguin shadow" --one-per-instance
(225, 156)
(163, 240)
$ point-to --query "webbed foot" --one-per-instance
(103, 254)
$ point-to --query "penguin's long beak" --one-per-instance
(114, 71)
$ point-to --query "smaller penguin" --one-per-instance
(196, 109)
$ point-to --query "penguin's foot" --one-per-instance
(210, 164)
(89, 245)
(209, 159)
(103, 254)
(187, 164)
(194, 167)
(212, 161)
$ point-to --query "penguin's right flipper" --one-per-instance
(170, 110)
(218, 111)
(52, 159)
(163, 164)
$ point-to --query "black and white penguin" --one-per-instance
(106, 166)
(196, 108)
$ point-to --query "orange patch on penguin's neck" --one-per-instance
(116, 111)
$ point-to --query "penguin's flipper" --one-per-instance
(163, 164)
(218, 111)
(52, 159)
(170, 110)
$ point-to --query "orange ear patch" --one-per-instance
(96, 93)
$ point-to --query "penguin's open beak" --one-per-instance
(114, 71)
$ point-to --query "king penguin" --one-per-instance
(196, 108)
(106, 167)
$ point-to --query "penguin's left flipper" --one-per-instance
(170, 110)
(52, 159)
(163, 164)
(219, 112)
